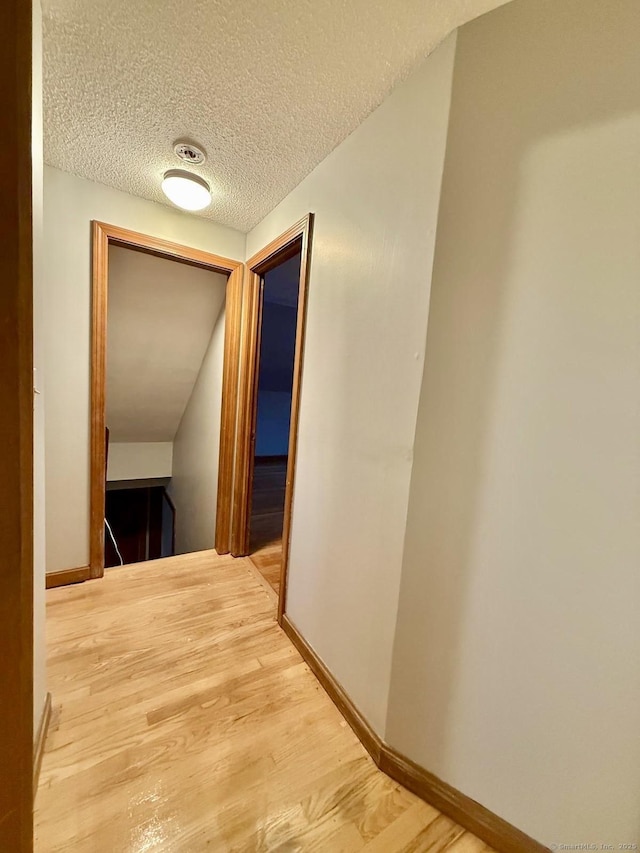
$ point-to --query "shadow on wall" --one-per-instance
(526, 428)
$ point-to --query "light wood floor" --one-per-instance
(268, 561)
(184, 720)
(267, 518)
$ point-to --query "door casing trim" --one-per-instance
(297, 238)
(16, 430)
(104, 235)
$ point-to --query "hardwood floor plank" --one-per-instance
(437, 836)
(267, 519)
(185, 720)
(403, 830)
(468, 843)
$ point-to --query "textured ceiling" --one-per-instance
(268, 87)
(160, 319)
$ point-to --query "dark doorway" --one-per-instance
(140, 524)
(277, 336)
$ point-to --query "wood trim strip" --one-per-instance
(167, 249)
(246, 412)
(305, 265)
(16, 430)
(67, 576)
(252, 415)
(98, 466)
(366, 735)
(230, 372)
(297, 238)
(102, 235)
(41, 738)
(471, 815)
(280, 249)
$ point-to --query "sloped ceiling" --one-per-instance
(268, 87)
(161, 314)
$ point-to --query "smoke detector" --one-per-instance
(189, 153)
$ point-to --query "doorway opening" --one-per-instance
(271, 361)
(163, 393)
(165, 321)
(276, 358)
(141, 523)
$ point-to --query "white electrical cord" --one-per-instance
(115, 544)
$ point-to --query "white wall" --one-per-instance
(515, 670)
(376, 200)
(70, 205)
(39, 650)
(196, 448)
(139, 460)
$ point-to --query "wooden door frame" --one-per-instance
(104, 235)
(297, 238)
(16, 430)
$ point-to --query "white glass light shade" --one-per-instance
(188, 191)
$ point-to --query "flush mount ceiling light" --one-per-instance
(185, 190)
